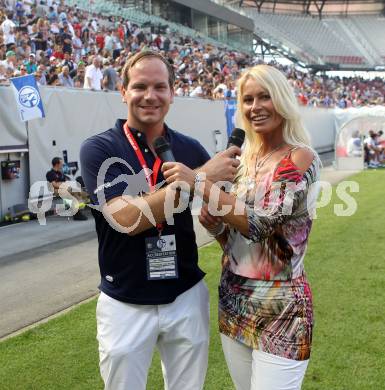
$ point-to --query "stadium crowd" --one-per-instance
(63, 45)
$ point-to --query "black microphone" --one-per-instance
(163, 149)
(236, 138)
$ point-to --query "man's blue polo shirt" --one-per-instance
(122, 258)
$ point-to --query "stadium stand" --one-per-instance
(346, 34)
(358, 42)
(205, 68)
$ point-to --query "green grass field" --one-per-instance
(346, 267)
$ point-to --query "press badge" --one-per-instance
(161, 257)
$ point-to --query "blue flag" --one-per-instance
(230, 108)
(28, 97)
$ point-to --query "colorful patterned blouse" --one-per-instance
(264, 298)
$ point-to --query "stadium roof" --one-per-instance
(320, 34)
(313, 7)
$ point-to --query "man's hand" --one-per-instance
(178, 172)
(223, 166)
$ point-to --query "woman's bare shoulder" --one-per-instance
(302, 157)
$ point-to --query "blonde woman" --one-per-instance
(265, 303)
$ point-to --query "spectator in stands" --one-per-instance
(40, 76)
(10, 61)
(40, 39)
(23, 50)
(109, 43)
(197, 89)
(65, 78)
(31, 65)
(265, 303)
(66, 39)
(56, 179)
(117, 44)
(111, 81)
(52, 15)
(93, 77)
(44, 36)
(9, 28)
(22, 71)
(53, 78)
(68, 61)
(80, 73)
(77, 45)
(3, 75)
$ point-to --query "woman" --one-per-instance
(265, 303)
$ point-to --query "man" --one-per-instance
(354, 145)
(148, 297)
(64, 77)
(3, 75)
(67, 61)
(93, 77)
(40, 76)
(23, 70)
(109, 42)
(31, 64)
(372, 150)
(55, 177)
(79, 78)
(10, 61)
(52, 15)
(117, 44)
(23, 50)
(66, 39)
(77, 45)
(8, 27)
(111, 80)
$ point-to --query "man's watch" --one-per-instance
(200, 177)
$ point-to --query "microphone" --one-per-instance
(163, 149)
(236, 138)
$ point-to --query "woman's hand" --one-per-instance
(208, 221)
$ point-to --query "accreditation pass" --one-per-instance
(161, 257)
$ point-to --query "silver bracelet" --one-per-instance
(200, 178)
(217, 231)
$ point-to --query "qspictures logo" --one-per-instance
(292, 199)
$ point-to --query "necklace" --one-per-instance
(259, 163)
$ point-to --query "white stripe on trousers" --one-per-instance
(128, 334)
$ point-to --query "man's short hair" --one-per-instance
(55, 161)
(140, 56)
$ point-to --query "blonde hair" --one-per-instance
(284, 102)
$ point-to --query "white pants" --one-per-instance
(251, 369)
(128, 334)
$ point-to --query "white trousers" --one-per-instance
(128, 334)
(251, 369)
